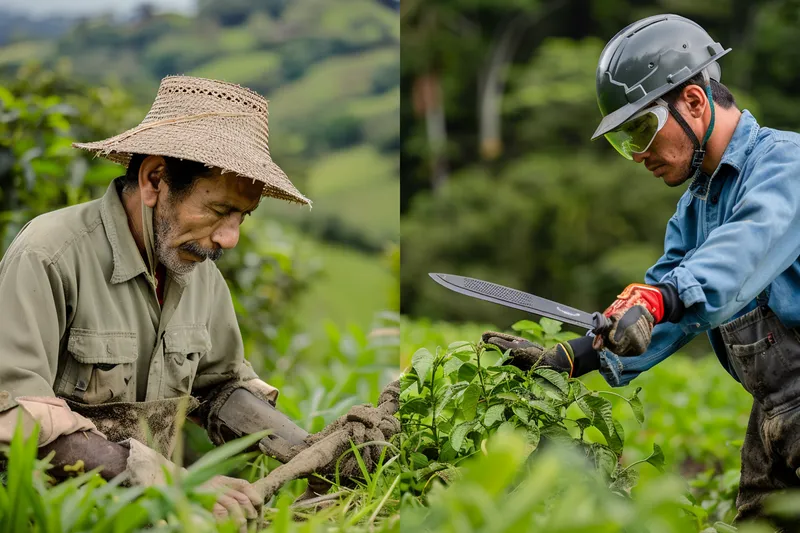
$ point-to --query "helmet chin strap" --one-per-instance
(699, 147)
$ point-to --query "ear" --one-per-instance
(695, 100)
(151, 179)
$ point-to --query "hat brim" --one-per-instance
(196, 141)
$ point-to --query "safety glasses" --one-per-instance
(636, 135)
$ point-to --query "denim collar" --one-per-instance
(735, 155)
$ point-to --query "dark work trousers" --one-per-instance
(765, 355)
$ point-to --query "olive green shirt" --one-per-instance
(81, 319)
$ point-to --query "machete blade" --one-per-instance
(508, 297)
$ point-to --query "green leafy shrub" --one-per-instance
(455, 400)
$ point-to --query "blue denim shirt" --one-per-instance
(733, 235)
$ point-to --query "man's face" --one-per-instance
(204, 222)
(669, 156)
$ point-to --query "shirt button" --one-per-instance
(714, 199)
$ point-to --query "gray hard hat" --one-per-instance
(648, 59)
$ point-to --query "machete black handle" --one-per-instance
(600, 324)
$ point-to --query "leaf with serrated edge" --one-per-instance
(556, 378)
(636, 405)
(460, 433)
(522, 412)
(469, 401)
(494, 414)
(452, 365)
(447, 395)
(422, 362)
(657, 458)
(544, 407)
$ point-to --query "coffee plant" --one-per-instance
(453, 401)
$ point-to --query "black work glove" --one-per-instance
(576, 356)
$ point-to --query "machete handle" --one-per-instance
(600, 324)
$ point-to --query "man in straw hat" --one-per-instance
(115, 324)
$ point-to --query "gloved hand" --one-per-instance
(576, 356)
(364, 423)
(634, 313)
(236, 499)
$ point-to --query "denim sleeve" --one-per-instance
(667, 338)
(741, 257)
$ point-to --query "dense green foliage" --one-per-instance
(517, 193)
(689, 411)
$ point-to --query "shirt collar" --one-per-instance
(128, 261)
(735, 154)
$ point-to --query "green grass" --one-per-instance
(358, 186)
(333, 82)
(239, 39)
(345, 170)
(353, 288)
(245, 68)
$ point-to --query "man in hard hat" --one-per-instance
(730, 265)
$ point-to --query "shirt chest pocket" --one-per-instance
(100, 367)
(183, 349)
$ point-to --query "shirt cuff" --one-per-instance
(689, 290)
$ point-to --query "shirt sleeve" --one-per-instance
(33, 307)
(667, 338)
(225, 361)
(742, 256)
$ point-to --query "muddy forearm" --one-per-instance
(90, 448)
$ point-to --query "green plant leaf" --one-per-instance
(460, 347)
(657, 458)
(551, 327)
(624, 481)
(469, 401)
(459, 434)
(544, 407)
(452, 365)
(556, 378)
(528, 326)
(422, 362)
(522, 412)
(494, 414)
(636, 406)
(510, 396)
(445, 400)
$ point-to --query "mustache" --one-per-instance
(199, 251)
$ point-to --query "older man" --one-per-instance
(111, 313)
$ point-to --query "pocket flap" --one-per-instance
(186, 340)
(93, 347)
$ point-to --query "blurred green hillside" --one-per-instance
(331, 72)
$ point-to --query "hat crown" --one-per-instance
(214, 122)
(182, 95)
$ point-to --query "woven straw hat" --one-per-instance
(213, 122)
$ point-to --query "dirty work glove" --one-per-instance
(236, 498)
(364, 423)
(634, 313)
(576, 356)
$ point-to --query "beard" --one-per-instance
(165, 231)
(686, 147)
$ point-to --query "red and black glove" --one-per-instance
(633, 315)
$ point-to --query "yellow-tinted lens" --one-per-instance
(635, 135)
